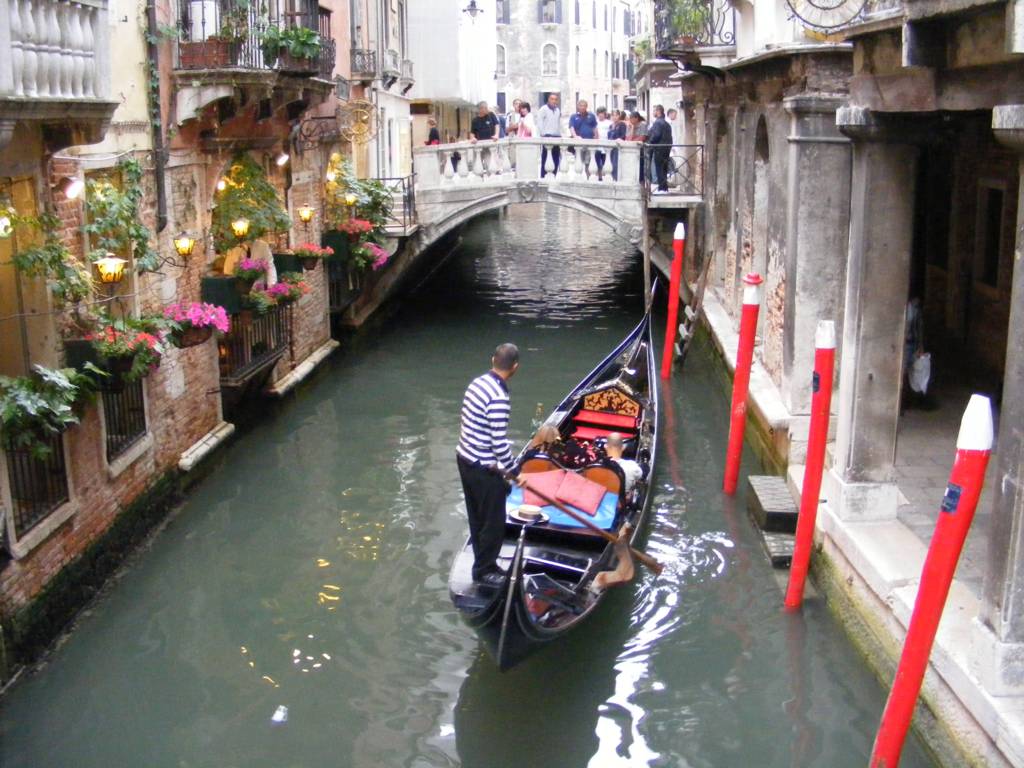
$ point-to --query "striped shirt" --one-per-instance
(485, 413)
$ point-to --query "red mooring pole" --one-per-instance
(821, 399)
(741, 379)
(678, 247)
(973, 446)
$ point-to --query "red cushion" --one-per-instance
(577, 491)
(591, 433)
(545, 482)
(602, 419)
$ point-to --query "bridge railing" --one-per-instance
(554, 160)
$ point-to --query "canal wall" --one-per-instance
(868, 574)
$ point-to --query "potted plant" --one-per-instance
(369, 254)
(356, 229)
(36, 407)
(247, 272)
(128, 351)
(299, 48)
(194, 323)
(249, 195)
(261, 301)
(218, 49)
(310, 254)
(291, 288)
(270, 45)
(690, 20)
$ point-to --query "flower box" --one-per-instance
(286, 262)
(295, 66)
(220, 290)
(337, 240)
(207, 54)
(78, 352)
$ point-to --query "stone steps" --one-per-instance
(771, 506)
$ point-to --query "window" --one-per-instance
(576, 14)
(576, 60)
(124, 417)
(593, 19)
(990, 234)
(501, 11)
(604, 8)
(499, 102)
(38, 485)
(549, 11)
(499, 60)
(615, 101)
(549, 60)
(593, 63)
(606, 63)
(577, 100)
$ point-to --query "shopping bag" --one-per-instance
(921, 372)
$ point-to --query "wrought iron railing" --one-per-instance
(124, 417)
(681, 164)
(229, 34)
(364, 63)
(343, 287)
(38, 485)
(681, 25)
(254, 342)
(403, 211)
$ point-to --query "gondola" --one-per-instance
(551, 564)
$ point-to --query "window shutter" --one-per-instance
(558, 11)
(540, 11)
(505, 11)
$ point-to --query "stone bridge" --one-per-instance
(455, 182)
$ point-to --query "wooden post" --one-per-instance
(645, 246)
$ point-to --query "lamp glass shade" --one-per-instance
(111, 268)
(6, 228)
(240, 227)
(305, 214)
(222, 184)
(184, 244)
(350, 199)
(332, 175)
(282, 159)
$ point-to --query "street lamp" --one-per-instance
(70, 186)
(184, 244)
(350, 199)
(331, 175)
(240, 227)
(305, 213)
(111, 268)
(472, 10)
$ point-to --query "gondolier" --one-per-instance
(483, 446)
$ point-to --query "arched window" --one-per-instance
(549, 60)
(576, 60)
(499, 60)
(606, 63)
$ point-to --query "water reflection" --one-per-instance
(307, 574)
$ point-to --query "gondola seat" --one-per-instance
(619, 421)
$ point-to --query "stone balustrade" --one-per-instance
(506, 160)
(54, 49)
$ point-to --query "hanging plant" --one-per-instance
(348, 196)
(247, 194)
(34, 408)
(115, 218)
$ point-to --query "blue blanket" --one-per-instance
(604, 517)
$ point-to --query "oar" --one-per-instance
(643, 557)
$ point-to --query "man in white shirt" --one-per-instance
(632, 471)
(604, 123)
(512, 119)
(549, 123)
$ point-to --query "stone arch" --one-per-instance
(722, 199)
(762, 168)
(627, 230)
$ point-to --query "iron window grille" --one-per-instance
(124, 415)
(38, 485)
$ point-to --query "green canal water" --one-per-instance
(308, 571)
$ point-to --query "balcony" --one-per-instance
(254, 344)
(55, 71)
(222, 46)
(391, 68)
(687, 29)
(364, 64)
(406, 80)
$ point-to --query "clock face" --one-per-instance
(358, 121)
(826, 15)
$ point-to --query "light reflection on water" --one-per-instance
(309, 571)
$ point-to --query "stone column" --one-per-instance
(997, 656)
(817, 242)
(862, 480)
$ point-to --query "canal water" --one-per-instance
(306, 576)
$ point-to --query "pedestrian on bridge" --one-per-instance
(583, 125)
(617, 132)
(549, 125)
(659, 142)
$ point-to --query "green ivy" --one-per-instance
(68, 279)
(247, 194)
(115, 215)
(373, 199)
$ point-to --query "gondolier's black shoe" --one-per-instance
(492, 579)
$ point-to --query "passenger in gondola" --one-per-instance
(631, 470)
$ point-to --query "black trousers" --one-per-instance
(556, 156)
(661, 156)
(485, 505)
